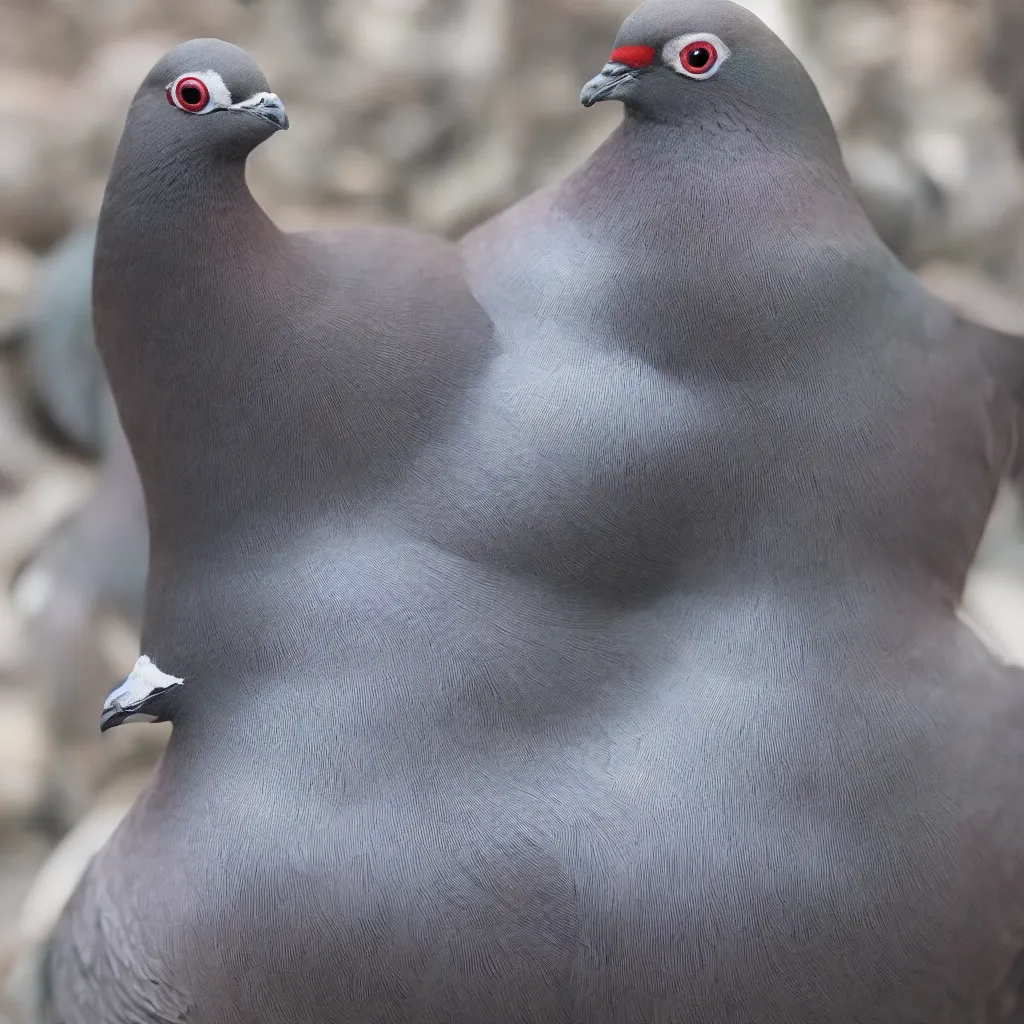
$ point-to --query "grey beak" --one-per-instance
(265, 105)
(270, 108)
(114, 715)
(605, 85)
(145, 696)
(118, 709)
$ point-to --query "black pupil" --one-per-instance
(698, 57)
(191, 95)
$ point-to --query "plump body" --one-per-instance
(717, 753)
(585, 650)
(611, 818)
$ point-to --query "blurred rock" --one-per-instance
(20, 450)
(908, 76)
(24, 755)
(64, 368)
(84, 581)
(51, 888)
(484, 181)
(993, 601)
(975, 296)
(21, 854)
(81, 598)
(87, 124)
(903, 202)
(1004, 37)
(34, 210)
(17, 274)
(24, 520)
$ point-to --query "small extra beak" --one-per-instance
(605, 85)
(115, 716)
(144, 696)
(266, 105)
(120, 708)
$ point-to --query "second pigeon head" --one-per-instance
(677, 62)
(207, 92)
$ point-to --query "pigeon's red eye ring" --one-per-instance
(698, 55)
(190, 94)
(699, 58)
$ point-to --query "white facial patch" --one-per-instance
(255, 100)
(219, 92)
(144, 680)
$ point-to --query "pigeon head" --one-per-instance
(678, 61)
(209, 94)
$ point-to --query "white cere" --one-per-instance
(144, 680)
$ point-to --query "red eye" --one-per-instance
(190, 94)
(699, 57)
(634, 56)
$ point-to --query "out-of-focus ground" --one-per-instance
(434, 112)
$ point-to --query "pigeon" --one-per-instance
(275, 390)
(559, 625)
(229, 337)
(829, 825)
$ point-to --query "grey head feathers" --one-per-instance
(209, 97)
(240, 73)
(696, 64)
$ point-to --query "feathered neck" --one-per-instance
(709, 182)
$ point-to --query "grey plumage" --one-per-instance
(567, 619)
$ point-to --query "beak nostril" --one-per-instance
(266, 105)
(605, 85)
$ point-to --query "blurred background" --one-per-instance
(432, 112)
